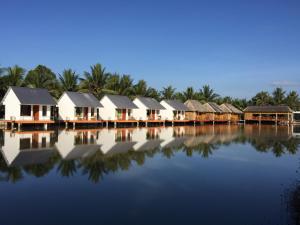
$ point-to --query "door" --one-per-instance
(152, 114)
(98, 117)
(36, 112)
(123, 114)
(85, 113)
(35, 140)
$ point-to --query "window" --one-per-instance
(44, 142)
(92, 111)
(129, 112)
(25, 110)
(78, 111)
(44, 109)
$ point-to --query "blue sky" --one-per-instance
(238, 47)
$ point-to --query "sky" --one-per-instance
(237, 47)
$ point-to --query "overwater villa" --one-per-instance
(117, 108)
(148, 109)
(174, 110)
(28, 106)
(215, 113)
(196, 112)
(235, 113)
(26, 148)
(76, 107)
(274, 114)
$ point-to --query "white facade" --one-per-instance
(143, 112)
(13, 109)
(169, 113)
(109, 111)
(67, 110)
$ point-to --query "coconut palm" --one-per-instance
(153, 93)
(278, 96)
(95, 80)
(14, 76)
(126, 87)
(292, 100)
(262, 98)
(189, 93)
(168, 92)
(140, 89)
(207, 94)
(69, 80)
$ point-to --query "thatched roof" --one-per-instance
(231, 108)
(269, 109)
(195, 106)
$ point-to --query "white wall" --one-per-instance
(66, 108)
(107, 112)
(167, 113)
(141, 112)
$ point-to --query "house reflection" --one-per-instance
(100, 151)
(26, 148)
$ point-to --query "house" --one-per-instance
(196, 111)
(276, 114)
(76, 106)
(28, 105)
(174, 110)
(147, 109)
(27, 148)
(235, 113)
(117, 107)
(216, 114)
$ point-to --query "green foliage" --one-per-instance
(99, 82)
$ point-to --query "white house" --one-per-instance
(78, 106)
(146, 139)
(174, 110)
(73, 144)
(117, 107)
(30, 104)
(147, 109)
(25, 148)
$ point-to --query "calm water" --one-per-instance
(182, 175)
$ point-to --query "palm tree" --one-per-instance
(42, 77)
(278, 96)
(95, 80)
(140, 89)
(189, 93)
(153, 93)
(69, 80)
(207, 94)
(168, 92)
(14, 76)
(262, 98)
(126, 87)
(292, 100)
(113, 83)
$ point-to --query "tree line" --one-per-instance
(100, 82)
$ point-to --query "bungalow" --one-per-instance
(235, 113)
(174, 110)
(28, 105)
(117, 107)
(196, 110)
(277, 114)
(76, 106)
(214, 112)
(148, 109)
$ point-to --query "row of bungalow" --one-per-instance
(36, 106)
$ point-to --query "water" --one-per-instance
(183, 175)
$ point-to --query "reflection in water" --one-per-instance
(101, 151)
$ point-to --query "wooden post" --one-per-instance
(45, 126)
(276, 118)
(115, 124)
(74, 126)
(259, 120)
(66, 125)
(19, 126)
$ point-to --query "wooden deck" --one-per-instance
(82, 121)
(29, 121)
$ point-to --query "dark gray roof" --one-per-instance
(83, 99)
(232, 108)
(32, 96)
(269, 109)
(121, 102)
(150, 103)
(214, 106)
(177, 105)
(195, 106)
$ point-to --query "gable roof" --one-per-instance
(121, 102)
(213, 107)
(269, 109)
(32, 96)
(231, 108)
(177, 105)
(150, 103)
(83, 99)
(195, 106)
